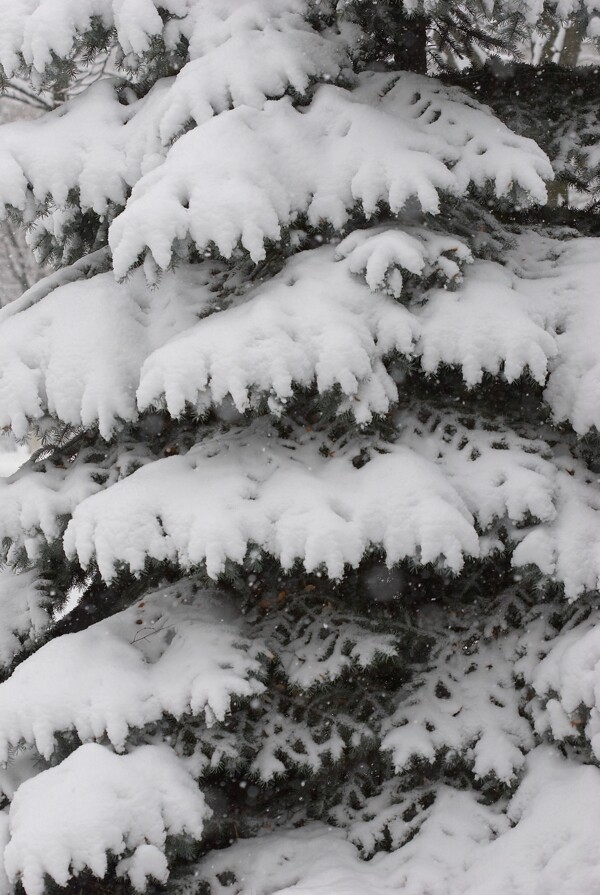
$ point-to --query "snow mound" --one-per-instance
(176, 652)
(93, 378)
(42, 29)
(314, 323)
(272, 165)
(212, 504)
(311, 323)
(21, 608)
(100, 144)
(122, 805)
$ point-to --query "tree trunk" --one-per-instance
(571, 48)
(411, 44)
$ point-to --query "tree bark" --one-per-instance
(571, 47)
(411, 44)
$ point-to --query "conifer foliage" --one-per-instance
(317, 384)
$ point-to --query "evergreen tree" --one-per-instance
(317, 383)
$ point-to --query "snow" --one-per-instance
(315, 322)
(566, 549)
(570, 303)
(277, 162)
(287, 499)
(550, 847)
(39, 28)
(484, 327)
(125, 804)
(312, 322)
(175, 652)
(381, 254)
(130, 339)
(11, 460)
(93, 379)
(273, 164)
(24, 617)
(99, 144)
(5, 887)
(39, 495)
(543, 844)
(566, 684)
(499, 474)
(475, 714)
(245, 69)
(296, 504)
(201, 304)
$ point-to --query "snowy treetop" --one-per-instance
(299, 352)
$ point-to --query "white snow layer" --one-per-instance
(243, 175)
(247, 173)
(125, 805)
(37, 29)
(101, 144)
(424, 498)
(164, 655)
(100, 351)
(317, 321)
(92, 377)
(542, 844)
(211, 504)
(11, 460)
(23, 615)
(248, 488)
